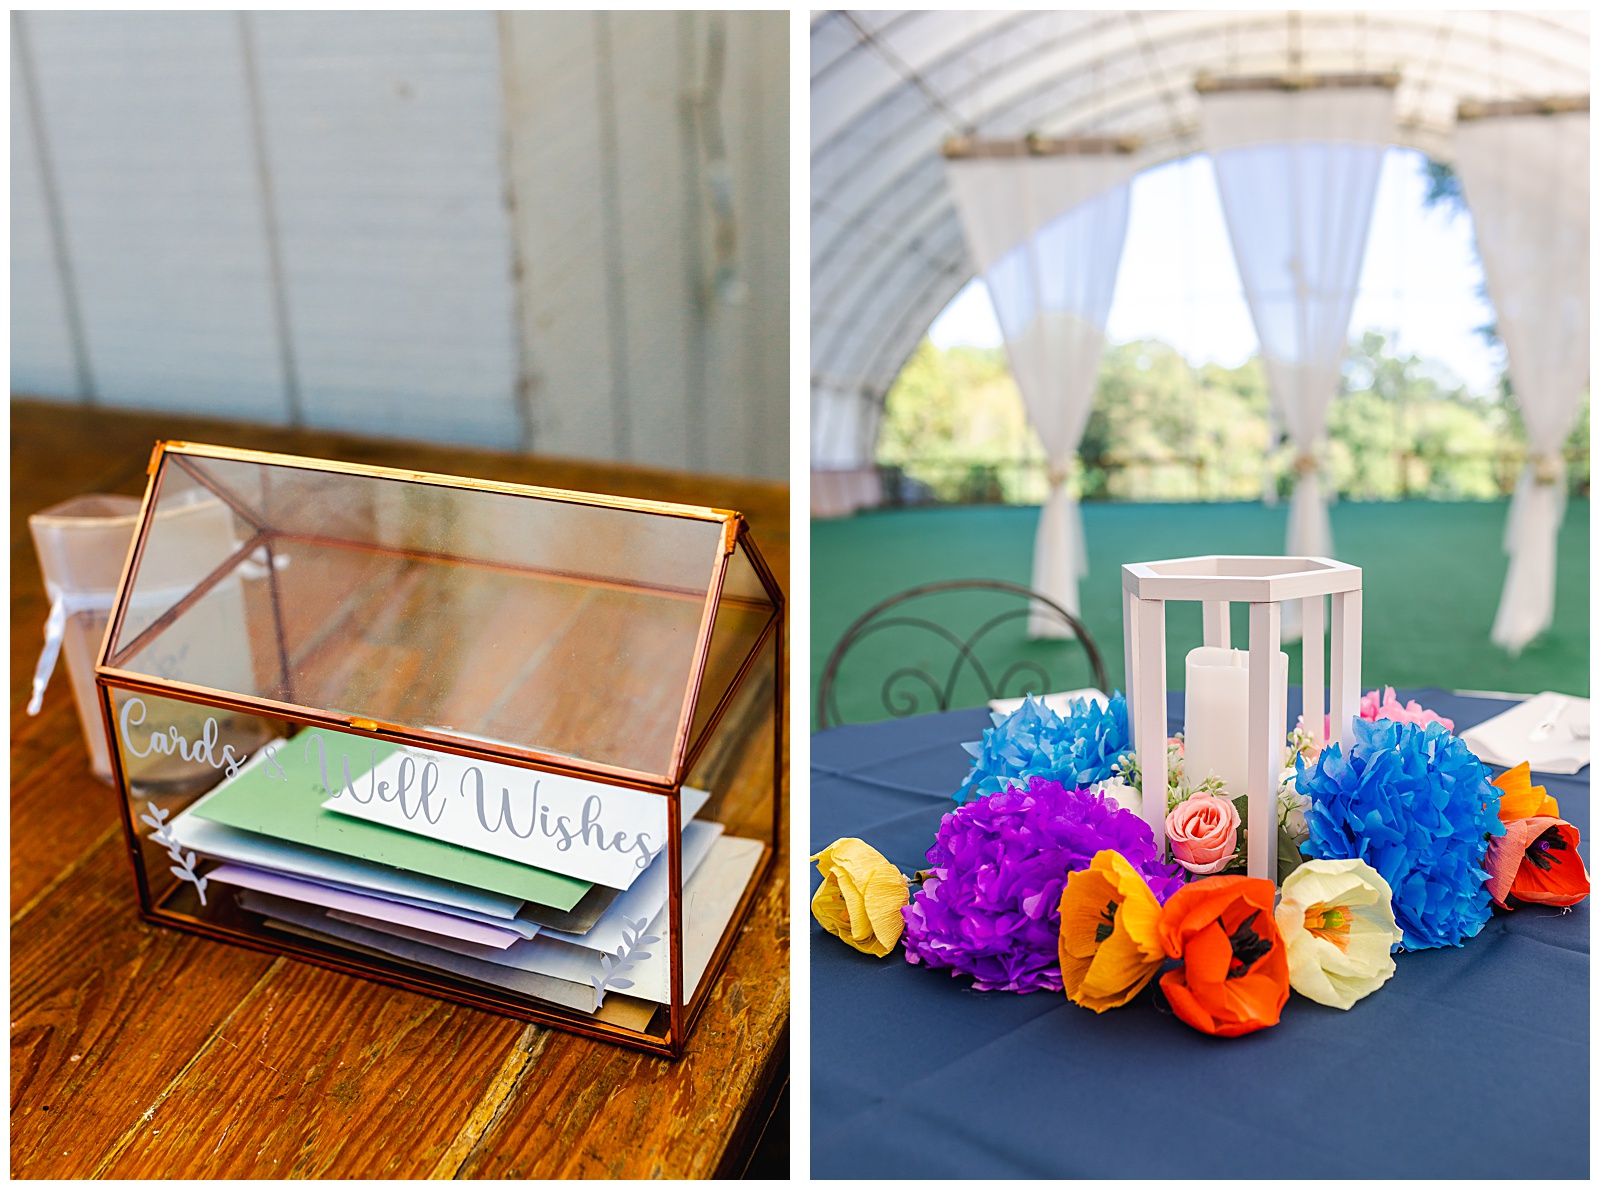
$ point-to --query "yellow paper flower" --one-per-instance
(861, 896)
(1338, 925)
(1109, 945)
(1520, 798)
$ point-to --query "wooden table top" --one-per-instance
(138, 1051)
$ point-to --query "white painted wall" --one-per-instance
(143, 115)
(555, 179)
(630, 354)
(42, 359)
(750, 353)
(383, 141)
(449, 226)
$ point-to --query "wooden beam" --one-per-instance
(1476, 109)
(1207, 83)
(1034, 145)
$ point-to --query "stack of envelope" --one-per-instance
(547, 885)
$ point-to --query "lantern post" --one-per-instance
(1265, 583)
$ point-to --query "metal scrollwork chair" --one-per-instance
(905, 688)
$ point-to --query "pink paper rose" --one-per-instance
(1388, 707)
(1204, 832)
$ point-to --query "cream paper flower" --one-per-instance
(1338, 927)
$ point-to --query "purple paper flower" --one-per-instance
(990, 907)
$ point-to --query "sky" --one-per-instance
(1420, 281)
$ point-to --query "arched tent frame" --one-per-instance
(887, 89)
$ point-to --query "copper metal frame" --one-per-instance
(681, 1016)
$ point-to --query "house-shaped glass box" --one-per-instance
(511, 746)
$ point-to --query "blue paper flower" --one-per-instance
(1033, 741)
(1418, 806)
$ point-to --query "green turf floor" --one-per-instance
(1431, 576)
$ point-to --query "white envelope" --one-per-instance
(1550, 731)
(310, 892)
(642, 902)
(216, 841)
(559, 991)
(709, 899)
(601, 833)
(648, 894)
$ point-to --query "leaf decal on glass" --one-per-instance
(183, 861)
(629, 953)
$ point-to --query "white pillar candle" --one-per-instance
(1216, 715)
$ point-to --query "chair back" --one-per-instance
(921, 685)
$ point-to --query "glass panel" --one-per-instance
(193, 535)
(744, 611)
(738, 768)
(275, 830)
(557, 627)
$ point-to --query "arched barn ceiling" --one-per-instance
(888, 88)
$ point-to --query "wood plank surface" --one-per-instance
(138, 1051)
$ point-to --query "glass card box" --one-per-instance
(511, 746)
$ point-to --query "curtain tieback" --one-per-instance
(1546, 468)
(1305, 464)
(1057, 475)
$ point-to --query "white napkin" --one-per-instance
(1058, 702)
(1550, 731)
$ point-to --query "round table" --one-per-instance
(1472, 1061)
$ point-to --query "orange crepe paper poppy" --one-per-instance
(1235, 974)
(1109, 946)
(1537, 861)
(1521, 798)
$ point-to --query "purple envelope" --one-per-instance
(313, 893)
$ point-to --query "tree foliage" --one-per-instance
(1161, 429)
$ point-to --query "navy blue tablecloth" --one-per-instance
(1471, 1062)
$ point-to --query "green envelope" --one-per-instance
(292, 810)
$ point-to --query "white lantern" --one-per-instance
(1265, 583)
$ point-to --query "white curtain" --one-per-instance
(1047, 234)
(1298, 172)
(1526, 181)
